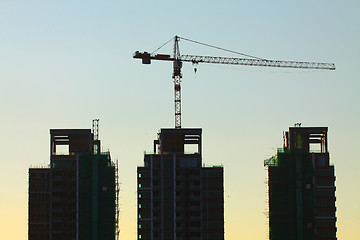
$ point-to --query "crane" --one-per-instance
(178, 59)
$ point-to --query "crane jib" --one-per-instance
(256, 62)
(146, 59)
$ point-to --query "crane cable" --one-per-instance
(208, 45)
(223, 49)
(162, 46)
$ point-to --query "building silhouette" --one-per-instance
(301, 184)
(179, 197)
(75, 196)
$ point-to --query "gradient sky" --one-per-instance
(64, 63)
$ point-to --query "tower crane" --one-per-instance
(178, 59)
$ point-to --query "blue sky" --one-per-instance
(65, 63)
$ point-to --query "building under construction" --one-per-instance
(178, 197)
(301, 185)
(76, 196)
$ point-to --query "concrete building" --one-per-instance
(178, 197)
(301, 184)
(75, 196)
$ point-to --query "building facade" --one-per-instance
(178, 197)
(75, 197)
(301, 184)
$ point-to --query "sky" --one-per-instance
(64, 63)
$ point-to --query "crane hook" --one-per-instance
(195, 63)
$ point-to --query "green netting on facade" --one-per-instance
(271, 161)
(106, 203)
(291, 196)
(85, 203)
(96, 197)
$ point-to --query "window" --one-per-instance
(139, 236)
(315, 148)
(188, 163)
(140, 207)
(321, 161)
(139, 226)
(139, 175)
(139, 195)
(62, 150)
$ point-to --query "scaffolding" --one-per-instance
(273, 161)
(117, 192)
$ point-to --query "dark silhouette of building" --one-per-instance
(301, 184)
(75, 197)
(178, 197)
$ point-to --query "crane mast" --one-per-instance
(178, 59)
(177, 64)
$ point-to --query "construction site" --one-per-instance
(301, 182)
(178, 196)
(76, 195)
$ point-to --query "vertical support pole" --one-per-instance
(151, 198)
(162, 236)
(202, 194)
(95, 126)
(174, 194)
(298, 163)
(51, 195)
(325, 143)
(77, 195)
(95, 188)
(96, 142)
(117, 190)
(177, 81)
(177, 96)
